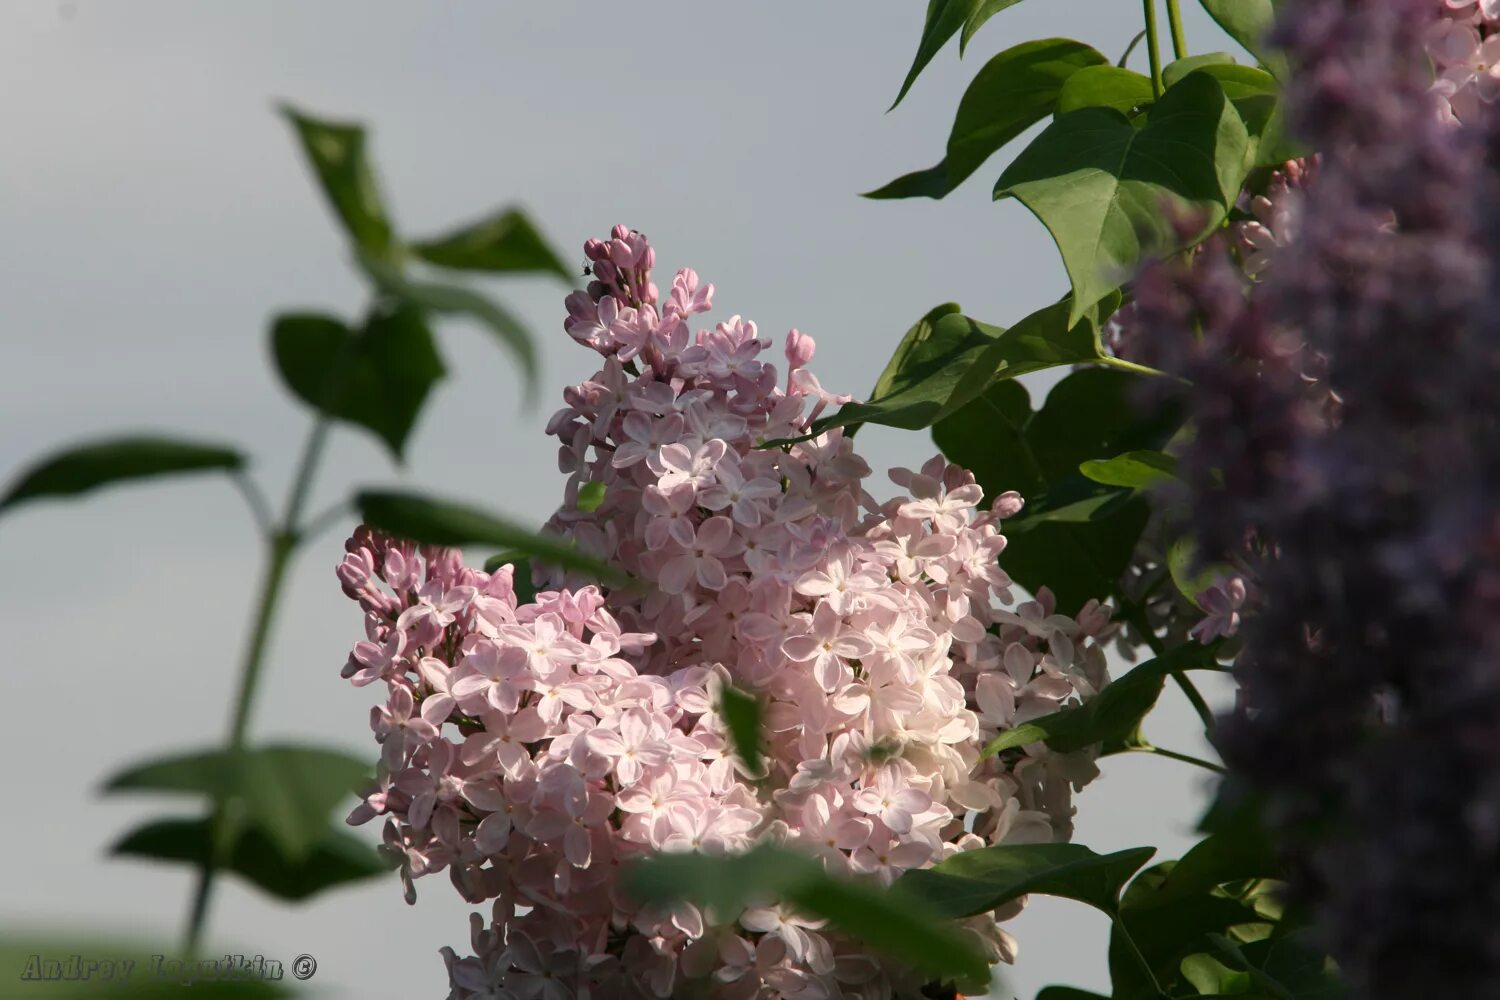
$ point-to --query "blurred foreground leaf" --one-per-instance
(84, 468)
(377, 377)
(336, 152)
(973, 882)
(504, 242)
(431, 521)
(337, 858)
(287, 791)
(900, 926)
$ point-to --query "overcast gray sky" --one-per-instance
(155, 213)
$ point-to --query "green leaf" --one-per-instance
(521, 580)
(377, 377)
(288, 792)
(432, 521)
(84, 965)
(944, 18)
(1074, 499)
(1096, 413)
(992, 438)
(973, 882)
(1189, 575)
(1113, 717)
(337, 858)
(947, 360)
(741, 713)
(455, 300)
(1089, 414)
(1015, 90)
(1286, 967)
(1102, 187)
(1175, 71)
(336, 151)
(1165, 928)
(504, 242)
(1233, 855)
(1135, 469)
(981, 13)
(1249, 22)
(590, 496)
(84, 468)
(1105, 86)
(1211, 977)
(1256, 95)
(1076, 562)
(888, 921)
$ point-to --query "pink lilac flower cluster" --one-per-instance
(1465, 48)
(532, 748)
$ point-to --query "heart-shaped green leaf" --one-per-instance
(1106, 86)
(1108, 192)
(377, 377)
(947, 360)
(1008, 446)
(1015, 90)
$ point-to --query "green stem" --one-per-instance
(1153, 46)
(1130, 366)
(1184, 758)
(281, 542)
(1179, 40)
(1136, 616)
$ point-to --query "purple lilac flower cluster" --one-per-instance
(1369, 717)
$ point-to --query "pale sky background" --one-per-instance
(155, 212)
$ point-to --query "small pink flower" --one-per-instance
(397, 728)
(827, 644)
(375, 661)
(1221, 604)
(638, 744)
(840, 585)
(492, 677)
(892, 801)
(702, 558)
(676, 464)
